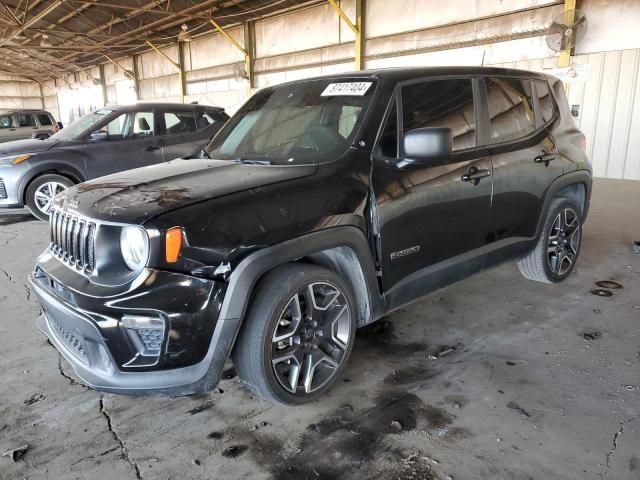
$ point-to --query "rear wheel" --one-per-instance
(298, 334)
(556, 252)
(42, 190)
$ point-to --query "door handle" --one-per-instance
(151, 148)
(474, 175)
(545, 158)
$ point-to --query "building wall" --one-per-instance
(315, 41)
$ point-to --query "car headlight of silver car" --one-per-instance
(13, 159)
(134, 244)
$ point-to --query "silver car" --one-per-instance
(21, 124)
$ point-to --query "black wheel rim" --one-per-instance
(564, 241)
(311, 337)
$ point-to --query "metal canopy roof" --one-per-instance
(45, 38)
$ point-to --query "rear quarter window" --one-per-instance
(546, 103)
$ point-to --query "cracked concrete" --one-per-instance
(402, 409)
(123, 448)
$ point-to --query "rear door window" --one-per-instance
(204, 119)
(44, 120)
(441, 103)
(177, 122)
(510, 107)
(26, 120)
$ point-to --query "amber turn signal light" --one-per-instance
(173, 244)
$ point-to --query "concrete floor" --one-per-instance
(494, 377)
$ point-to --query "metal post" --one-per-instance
(360, 15)
(103, 84)
(356, 28)
(136, 76)
(181, 74)
(249, 51)
(564, 60)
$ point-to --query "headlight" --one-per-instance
(134, 244)
(14, 159)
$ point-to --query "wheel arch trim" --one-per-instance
(54, 168)
(248, 272)
(578, 177)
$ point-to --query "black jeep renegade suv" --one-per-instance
(322, 205)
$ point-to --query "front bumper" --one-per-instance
(87, 330)
(10, 178)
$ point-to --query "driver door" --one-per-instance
(130, 142)
(434, 217)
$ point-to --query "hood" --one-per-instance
(19, 147)
(135, 196)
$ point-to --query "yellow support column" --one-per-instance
(565, 55)
(357, 29)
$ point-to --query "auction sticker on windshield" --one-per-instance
(347, 88)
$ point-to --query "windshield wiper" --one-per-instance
(249, 161)
(204, 154)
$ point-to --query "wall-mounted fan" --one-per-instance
(564, 34)
(240, 72)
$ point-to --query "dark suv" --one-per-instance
(323, 205)
(108, 140)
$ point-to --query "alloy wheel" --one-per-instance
(564, 241)
(310, 339)
(45, 194)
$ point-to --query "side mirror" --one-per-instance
(428, 145)
(40, 136)
(98, 135)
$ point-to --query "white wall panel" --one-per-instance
(214, 50)
(384, 17)
(609, 101)
(310, 28)
(611, 25)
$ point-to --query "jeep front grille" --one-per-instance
(3, 190)
(73, 240)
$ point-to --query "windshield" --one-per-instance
(74, 129)
(304, 122)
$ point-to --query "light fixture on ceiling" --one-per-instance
(184, 35)
(45, 42)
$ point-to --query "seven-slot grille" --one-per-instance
(3, 190)
(73, 240)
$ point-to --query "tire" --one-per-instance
(559, 241)
(39, 191)
(298, 334)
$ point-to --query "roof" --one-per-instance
(400, 74)
(10, 111)
(176, 106)
(46, 39)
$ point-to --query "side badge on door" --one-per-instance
(405, 252)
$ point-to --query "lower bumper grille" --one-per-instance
(70, 340)
(3, 190)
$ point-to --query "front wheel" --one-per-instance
(556, 252)
(42, 190)
(298, 334)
